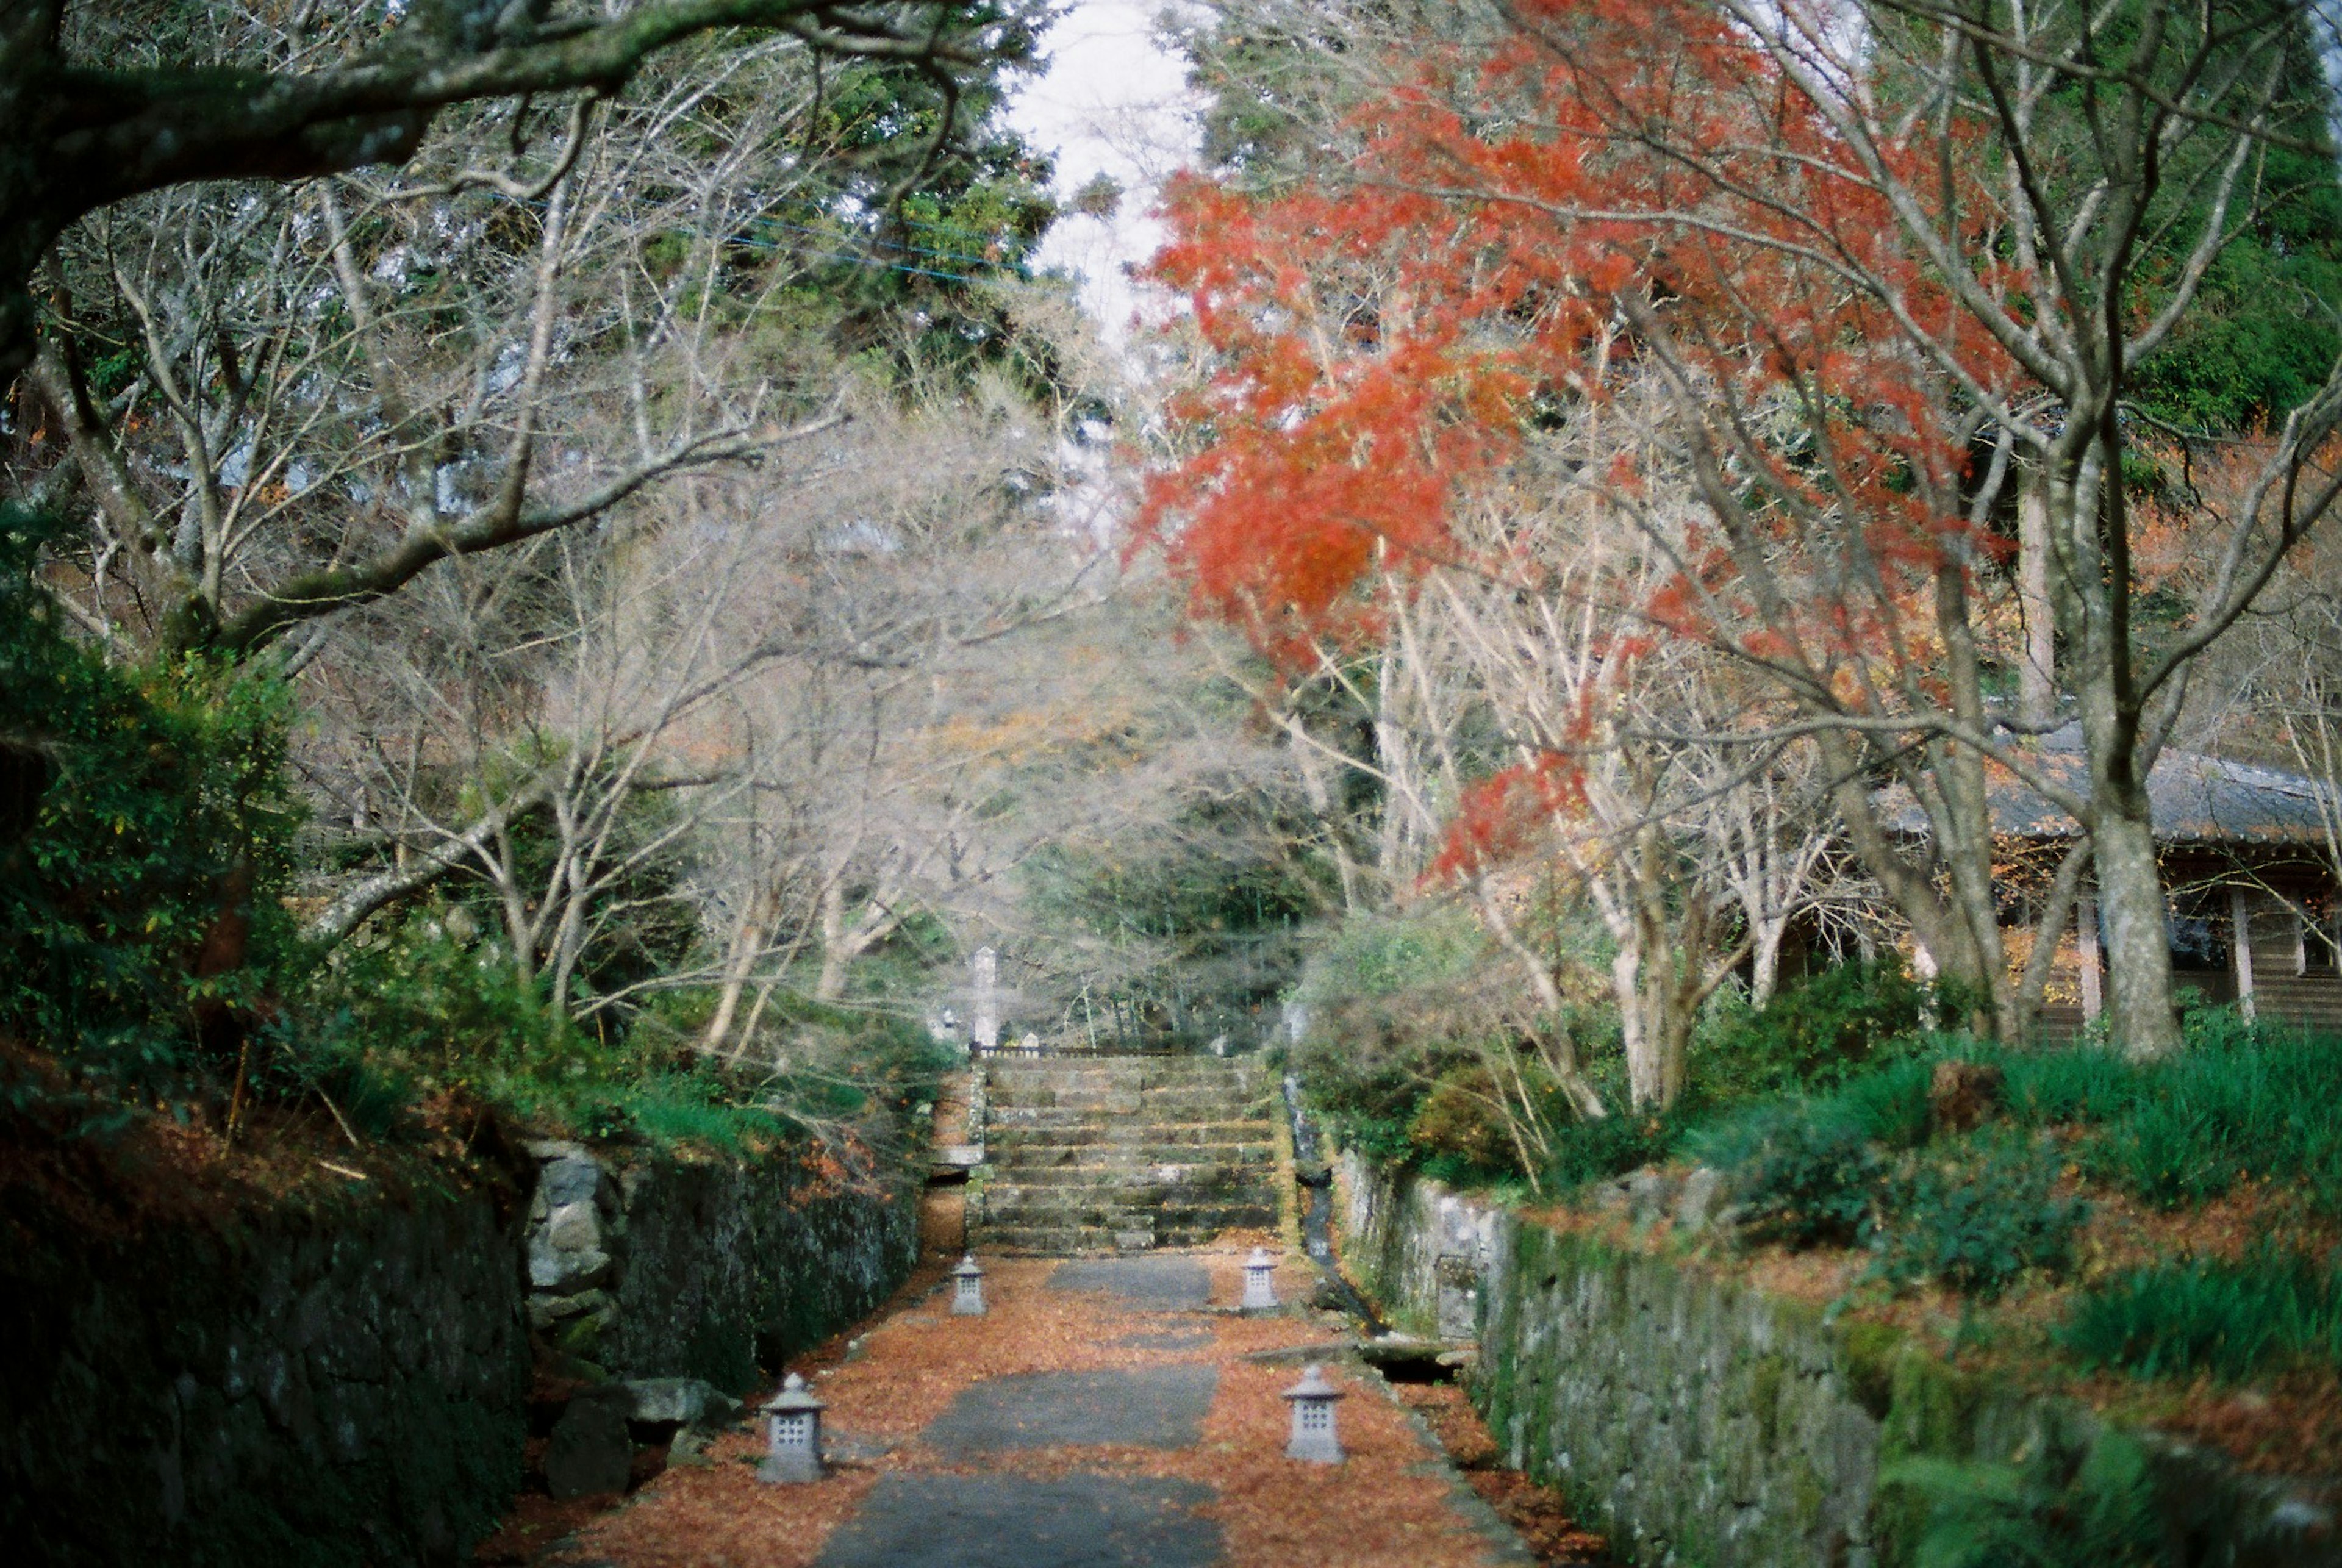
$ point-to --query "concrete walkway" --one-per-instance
(1109, 1412)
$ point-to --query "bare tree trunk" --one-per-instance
(2037, 675)
(830, 984)
(1314, 788)
(2139, 1012)
(1765, 960)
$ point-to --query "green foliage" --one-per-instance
(149, 835)
(1805, 1175)
(1854, 1167)
(2231, 1320)
(2261, 337)
(1814, 1035)
(1977, 1219)
(418, 1014)
(2239, 1102)
(2047, 1512)
(1394, 1058)
(1609, 1146)
(898, 253)
(1810, 1168)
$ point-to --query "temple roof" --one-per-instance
(2196, 798)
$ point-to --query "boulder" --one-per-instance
(680, 1402)
(574, 1227)
(1648, 1191)
(589, 1453)
(570, 1178)
(552, 1268)
(1695, 1205)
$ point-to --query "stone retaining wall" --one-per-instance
(659, 1268)
(346, 1380)
(1700, 1421)
(313, 1385)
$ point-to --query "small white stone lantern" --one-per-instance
(1260, 1281)
(792, 1434)
(1313, 1436)
(968, 1288)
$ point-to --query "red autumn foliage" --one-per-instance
(1516, 240)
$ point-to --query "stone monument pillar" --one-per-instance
(984, 1005)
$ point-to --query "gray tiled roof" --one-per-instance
(2196, 798)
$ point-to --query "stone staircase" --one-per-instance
(1089, 1153)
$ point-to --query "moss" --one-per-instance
(1867, 1351)
(1765, 1375)
(1931, 1407)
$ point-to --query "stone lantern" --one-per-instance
(968, 1288)
(1260, 1281)
(1313, 1436)
(792, 1434)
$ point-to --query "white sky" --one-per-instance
(1113, 101)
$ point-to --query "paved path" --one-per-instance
(1107, 1413)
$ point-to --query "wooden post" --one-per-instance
(2086, 947)
(2240, 946)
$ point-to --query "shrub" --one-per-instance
(1976, 1220)
(1805, 1175)
(2229, 1319)
(1816, 1034)
(1460, 1118)
(144, 843)
(1608, 1146)
(2047, 1512)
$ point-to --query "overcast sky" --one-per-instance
(1114, 102)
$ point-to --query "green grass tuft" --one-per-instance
(2231, 1320)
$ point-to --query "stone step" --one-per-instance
(1198, 1136)
(1132, 1155)
(1125, 1215)
(1076, 1240)
(1130, 1171)
(1016, 1118)
(1163, 1104)
(1125, 1069)
(1139, 1194)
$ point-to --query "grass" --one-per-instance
(2230, 1319)
(2176, 1132)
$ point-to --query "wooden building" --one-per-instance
(2249, 866)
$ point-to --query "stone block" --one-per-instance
(552, 1268)
(574, 1227)
(681, 1402)
(1696, 1207)
(572, 1179)
(544, 1311)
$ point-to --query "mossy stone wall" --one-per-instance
(335, 1383)
(729, 1267)
(1700, 1421)
(345, 1380)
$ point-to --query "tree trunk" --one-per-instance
(830, 984)
(2139, 1013)
(2036, 682)
(1765, 960)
